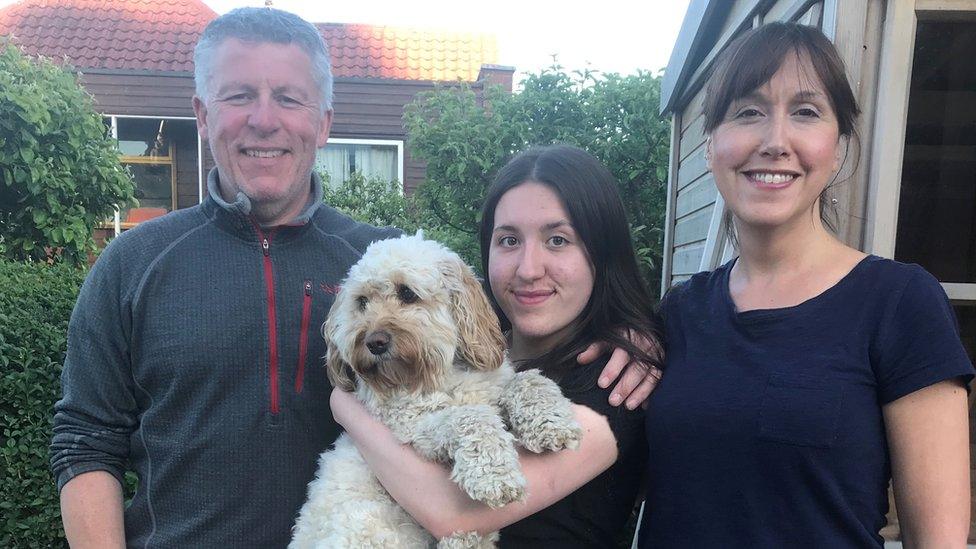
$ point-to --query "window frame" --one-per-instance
(398, 143)
(891, 121)
(117, 224)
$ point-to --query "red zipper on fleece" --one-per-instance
(272, 316)
(303, 338)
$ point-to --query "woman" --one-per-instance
(562, 271)
(803, 374)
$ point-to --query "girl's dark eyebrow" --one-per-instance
(556, 224)
(546, 227)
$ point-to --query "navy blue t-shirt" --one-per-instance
(767, 429)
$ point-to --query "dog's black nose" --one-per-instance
(378, 342)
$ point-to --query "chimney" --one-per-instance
(497, 74)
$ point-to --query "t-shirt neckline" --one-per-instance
(754, 315)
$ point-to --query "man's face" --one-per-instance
(264, 124)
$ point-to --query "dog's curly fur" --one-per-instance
(412, 333)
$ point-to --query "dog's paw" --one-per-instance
(468, 540)
(496, 488)
(550, 436)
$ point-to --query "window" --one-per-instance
(923, 170)
(380, 159)
(937, 207)
(148, 150)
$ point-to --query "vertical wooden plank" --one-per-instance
(891, 112)
(716, 233)
(673, 162)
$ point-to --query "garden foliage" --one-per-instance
(35, 305)
(59, 169)
(465, 139)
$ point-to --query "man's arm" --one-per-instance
(91, 509)
(97, 412)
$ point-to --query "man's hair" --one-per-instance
(262, 25)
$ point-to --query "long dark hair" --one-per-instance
(619, 299)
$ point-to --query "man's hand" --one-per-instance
(638, 379)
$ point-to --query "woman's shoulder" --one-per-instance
(696, 290)
(883, 269)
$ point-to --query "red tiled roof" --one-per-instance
(367, 51)
(159, 35)
(155, 35)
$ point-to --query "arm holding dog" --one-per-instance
(425, 490)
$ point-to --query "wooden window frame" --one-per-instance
(891, 120)
(116, 223)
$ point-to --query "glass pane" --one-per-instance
(143, 136)
(937, 208)
(154, 190)
(372, 161)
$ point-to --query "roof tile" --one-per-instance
(159, 35)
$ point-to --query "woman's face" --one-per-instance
(777, 148)
(538, 268)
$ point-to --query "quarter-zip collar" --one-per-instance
(240, 209)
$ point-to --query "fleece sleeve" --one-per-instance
(919, 341)
(97, 412)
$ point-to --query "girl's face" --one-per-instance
(777, 149)
(538, 268)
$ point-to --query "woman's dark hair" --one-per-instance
(752, 59)
(619, 299)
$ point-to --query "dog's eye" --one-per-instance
(406, 295)
(362, 302)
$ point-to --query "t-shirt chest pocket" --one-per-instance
(801, 410)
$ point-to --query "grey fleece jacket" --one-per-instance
(195, 360)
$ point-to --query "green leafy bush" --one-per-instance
(465, 138)
(59, 169)
(35, 306)
(372, 201)
(381, 203)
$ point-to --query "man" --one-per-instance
(193, 350)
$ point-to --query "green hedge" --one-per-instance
(35, 303)
(60, 173)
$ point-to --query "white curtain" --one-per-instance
(334, 160)
(373, 161)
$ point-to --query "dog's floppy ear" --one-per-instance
(339, 371)
(481, 342)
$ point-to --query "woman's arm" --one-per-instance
(928, 436)
(424, 489)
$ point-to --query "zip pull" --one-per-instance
(308, 287)
(266, 246)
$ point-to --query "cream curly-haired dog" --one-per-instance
(412, 333)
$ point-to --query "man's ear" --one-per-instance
(200, 110)
(323, 136)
